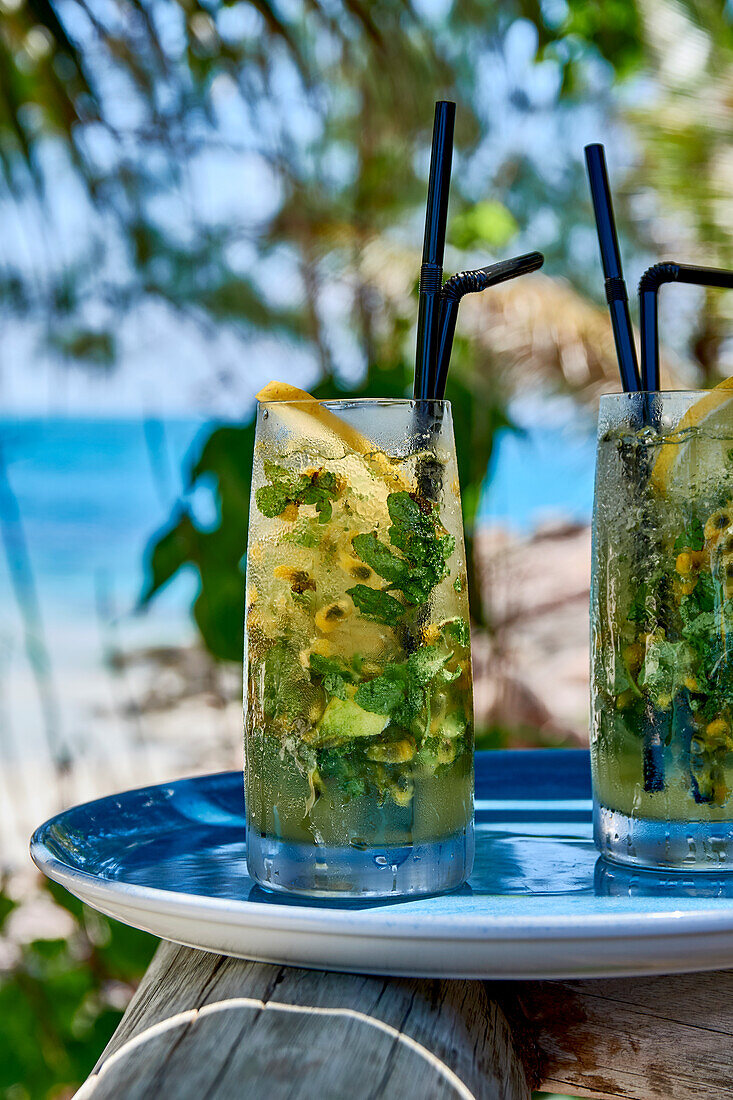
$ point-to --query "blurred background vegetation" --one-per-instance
(251, 176)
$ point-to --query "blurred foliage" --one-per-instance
(484, 225)
(62, 999)
(121, 106)
(301, 99)
(685, 136)
(575, 26)
(490, 738)
(137, 97)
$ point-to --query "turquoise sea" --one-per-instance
(84, 497)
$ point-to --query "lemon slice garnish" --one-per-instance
(688, 457)
(302, 411)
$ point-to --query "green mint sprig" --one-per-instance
(424, 548)
(319, 489)
(401, 690)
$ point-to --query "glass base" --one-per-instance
(670, 845)
(318, 871)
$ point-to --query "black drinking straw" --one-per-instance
(431, 272)
(471, 282)
(618, 304)
(649, 285)
(616, 295)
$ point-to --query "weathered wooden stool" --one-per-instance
(202, 1025)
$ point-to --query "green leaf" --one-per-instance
(488, 224)
(692, 538)
(272, 500)
(337, 765)
(456, 632)
(666, 666)
(334, 676)
(304, 533)
(622, 678)
(425, 549)
(173, 549)
(377, 604)
(291, 482)
(384, 693)
(425, 664)
(378, 557)
(415, 531)
(318, 489)
(219, 610)
(706, 592)
(284, 679)
(400, 690)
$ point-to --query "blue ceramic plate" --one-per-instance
(170, 859)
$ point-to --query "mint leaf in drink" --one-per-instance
(424, 665)
(667, 666)
(336, 765)
(378, 557)
(306, 532)
(324, 509)
(377, 604)
(334, 676)
(412, 580)
(425, 547)
(280, 475)
(324, 487)
(456, 632)
(384, 693)
(416, 531)
(272, 500)
(692, 538)
(706, 592)
(317, 487)
(283, 683)
(400, 691)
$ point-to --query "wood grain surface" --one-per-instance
(202, 1026)
(205, 1026)
(638, 1038)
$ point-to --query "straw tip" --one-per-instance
(595, 157)
(445, 113)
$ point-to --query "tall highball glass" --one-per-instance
(662, 630)
(358, 691)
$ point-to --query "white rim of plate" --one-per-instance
(383, 922)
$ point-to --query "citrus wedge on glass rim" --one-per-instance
(700, 448)
(306, 416)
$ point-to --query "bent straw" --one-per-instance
(616, 294)
(431, 272)
(472, 282)
(649, 285)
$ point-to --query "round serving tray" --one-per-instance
(539, 904)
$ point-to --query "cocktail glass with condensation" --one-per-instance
(662, 630)
(358, 690)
